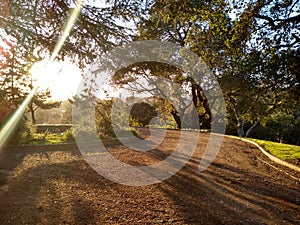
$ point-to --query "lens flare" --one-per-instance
(9, 127)
(11, 124)
(67, 28)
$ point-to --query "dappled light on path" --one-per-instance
(61, 187)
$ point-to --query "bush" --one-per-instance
(24, 134)
(279, 127)
(68, 136)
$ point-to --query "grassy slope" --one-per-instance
(282, 151)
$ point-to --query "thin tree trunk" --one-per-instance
(174, 113)
(251, 129)
(197, 97)
(32, 113)
(240, 128)
(33, 120)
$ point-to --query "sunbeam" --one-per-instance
(11, 124)
(67, 28)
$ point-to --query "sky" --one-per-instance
(64, 84)
(62, 78)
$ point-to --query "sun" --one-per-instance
(60, 77)
(41, 74)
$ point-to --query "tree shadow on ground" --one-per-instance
(59, 187)
(46, 193)
(226, 195)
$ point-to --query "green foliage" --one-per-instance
(41, 100)
(25, 134)
(38, 24)
(142, 113)
(281, 127)
(68, 136)
(35, 27)
(247, 52)
(103, 117)
(282, 151)
(85, 129)
(252, 47)
(46, 138)
(67, 115)
(50, 138)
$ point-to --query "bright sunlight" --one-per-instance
(61, 78)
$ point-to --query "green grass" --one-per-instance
(47, 139)
(282, 151)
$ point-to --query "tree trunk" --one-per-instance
(205, 104)
(32, 113)
(197, 97)
(174, 113)
(240, 128)
(251, 129)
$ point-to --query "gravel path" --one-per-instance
(54, 185)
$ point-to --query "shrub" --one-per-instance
(68, 136)
(24, 134)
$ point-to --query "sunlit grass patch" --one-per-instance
(282, 151)
(52, 138)
(46, 138)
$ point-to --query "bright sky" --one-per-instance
(62, 79)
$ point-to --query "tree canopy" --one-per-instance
(252, 47)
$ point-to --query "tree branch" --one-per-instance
(282, 22)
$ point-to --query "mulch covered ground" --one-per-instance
(55, 185)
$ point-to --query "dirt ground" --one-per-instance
(55, 185)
